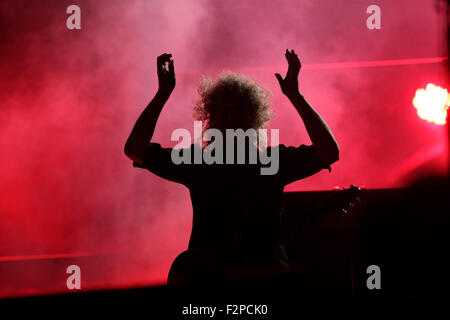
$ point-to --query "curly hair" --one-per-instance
(232, 101)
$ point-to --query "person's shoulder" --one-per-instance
(190, 147)
(278, 146)
(283, 147)
(187, 152)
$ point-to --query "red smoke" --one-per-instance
(69, 99)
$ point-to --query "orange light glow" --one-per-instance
(432, 103)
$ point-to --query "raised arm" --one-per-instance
(140, 136)
(321, 136)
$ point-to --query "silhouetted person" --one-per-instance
(236, 210)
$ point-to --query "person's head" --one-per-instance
(232, 101)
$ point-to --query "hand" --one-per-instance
(166, 78)
(289, 85)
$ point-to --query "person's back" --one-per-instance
(237, 210)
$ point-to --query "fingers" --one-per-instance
(164, 57)
(291, 56)
(171, 68)
(295, 57)
(161, 62)
(294, 64)
(279, 78)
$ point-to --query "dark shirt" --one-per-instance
(236, 210)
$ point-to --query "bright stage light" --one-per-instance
(432, 103)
